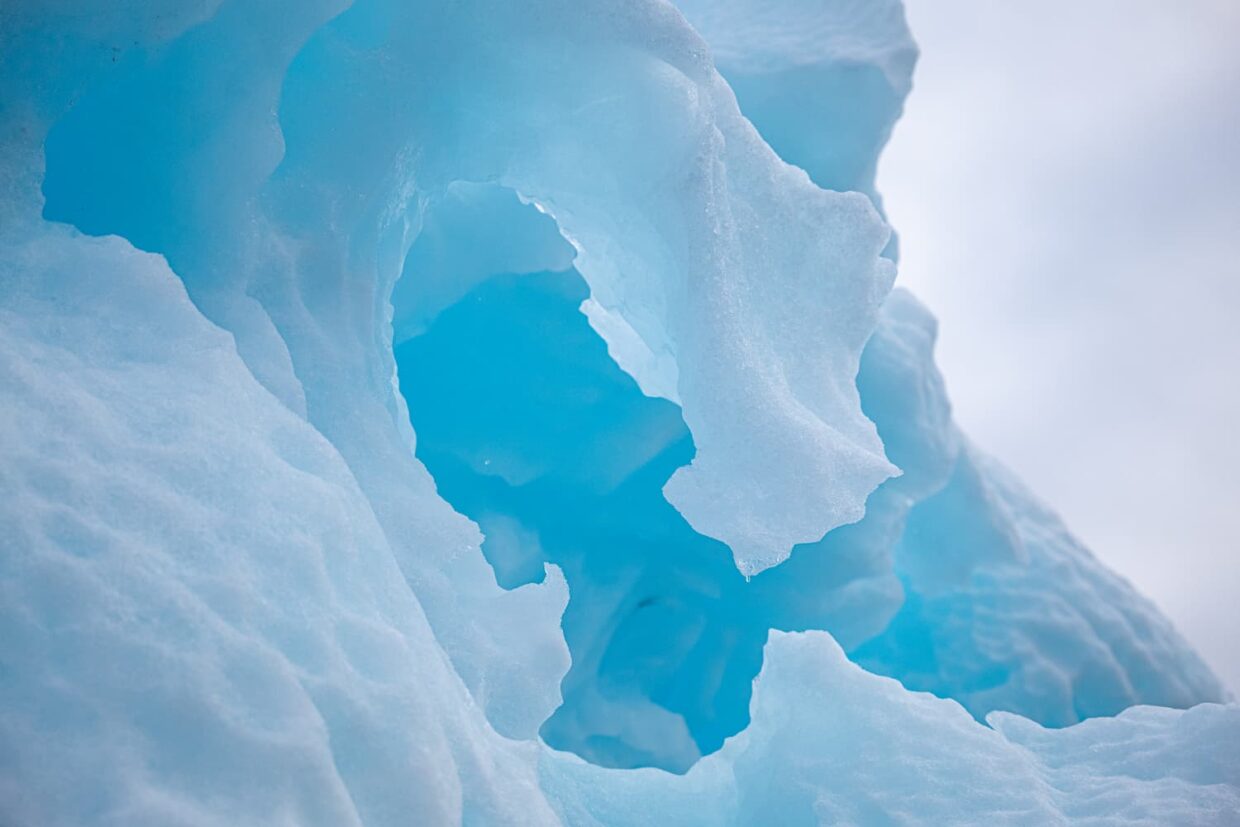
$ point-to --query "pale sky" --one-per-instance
(1066, 184)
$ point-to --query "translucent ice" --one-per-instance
(423, 412)
(824, 82)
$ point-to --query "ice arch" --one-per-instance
(530, 429)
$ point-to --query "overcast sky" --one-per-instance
(1066, 184)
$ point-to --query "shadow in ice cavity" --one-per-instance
(531, 429)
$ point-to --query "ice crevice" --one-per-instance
(349, 490)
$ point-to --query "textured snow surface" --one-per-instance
(422, 413)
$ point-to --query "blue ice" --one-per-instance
(487, 413)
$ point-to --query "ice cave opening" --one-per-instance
(532, 430)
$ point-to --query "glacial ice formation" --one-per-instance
(423, 412)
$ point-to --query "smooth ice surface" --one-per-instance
(476, 357)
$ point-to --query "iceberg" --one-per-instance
(480, 413)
